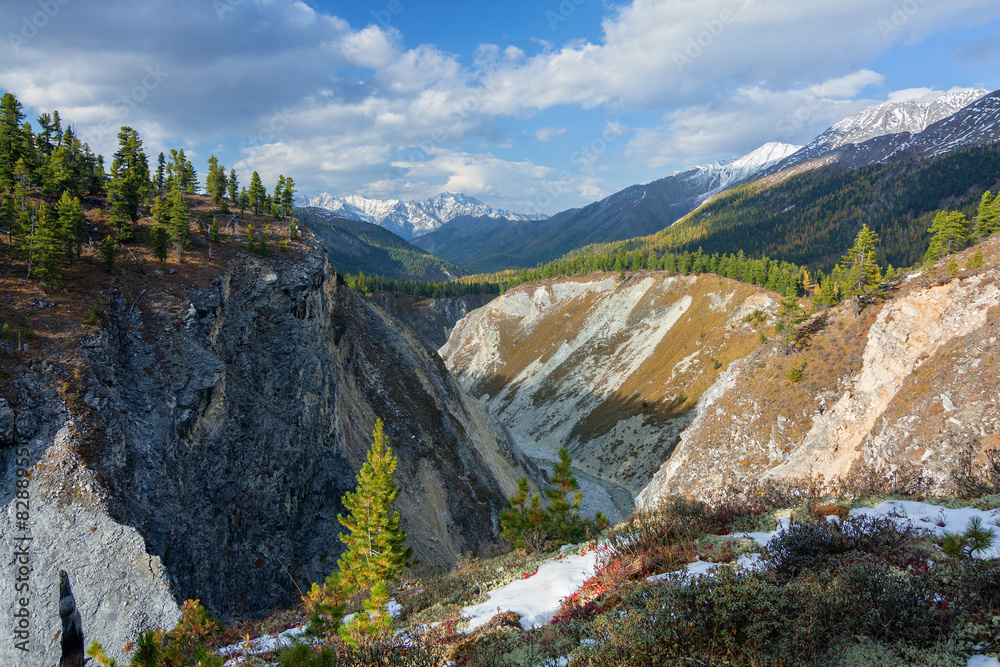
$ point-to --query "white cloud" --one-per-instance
(302, 92)
(749, 118)
(921, 94)
(549, 133)
(681, 53)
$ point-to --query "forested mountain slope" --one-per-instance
(810, 218)
(355, 246)
(887, 140)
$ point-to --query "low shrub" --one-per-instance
(341, 655)
(974, 479)
(94, 314)
(805, 544)
(760, 618)
(879, 482)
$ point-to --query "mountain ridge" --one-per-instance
(407, 219)
(947, 124)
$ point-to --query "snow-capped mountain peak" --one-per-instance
(407, 218)
(890, 118)
(742, 168)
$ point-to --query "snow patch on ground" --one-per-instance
(983, 661)
(536, 598)
(238, 653)
(937, 519)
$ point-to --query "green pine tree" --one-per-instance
(71, 220)
(862, 272)
(45, 246)
(161, 210)
(789, 316)
(258, 195)
(109, 251)
(988, 216)
(564, 521)
(244, 200)
(375, 552)
(130, 183)
(11, 145)
(178, 226)
(161, 164)
(950, 232)
(215, 182)
(976, 260)
(288, 196)
(276, 198)
(158, 237)
(523, 523)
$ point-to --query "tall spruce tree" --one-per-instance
(71, 220)
(178, 227)
(523, 523)
(789, 317)
(232, 185)
(45, 246)
(277, 211)
(158, 240)
(215, 182)
(11, 137)
(288, 196)
(258, 194)
(130, 184)
(161, 172)
(988, 215)
(564, 521)
(375, 555)
(863, 273)
(950, 231)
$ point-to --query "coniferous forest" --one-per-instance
(48, 177)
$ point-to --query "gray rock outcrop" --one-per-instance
(218, 430)
(432, 319)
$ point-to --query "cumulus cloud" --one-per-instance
(354, 109)
(751, 117)
(682, 53)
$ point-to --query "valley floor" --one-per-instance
(599, 496)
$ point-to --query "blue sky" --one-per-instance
(530, 106)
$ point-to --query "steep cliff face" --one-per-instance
(432, 319)
(220, 424)
(912, 381)
(611, 370)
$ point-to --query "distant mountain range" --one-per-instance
(408, 219)
(467, 232)
(356, 246)
(889, 132)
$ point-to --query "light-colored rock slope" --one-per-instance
(624, 375)
(611, 370)
(913, 381)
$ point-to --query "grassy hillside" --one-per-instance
(361, 247)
